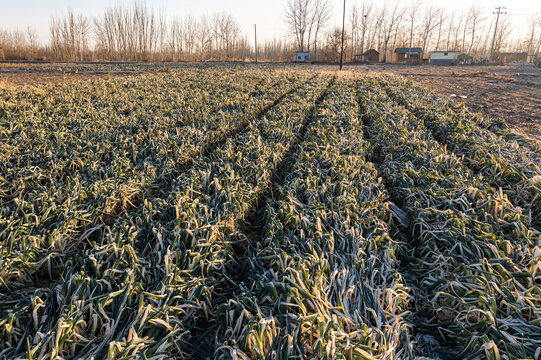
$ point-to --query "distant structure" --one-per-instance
(408, 54)
(464, 59)
(302, 56)
(507, 57)
(370, 56)
(444, 57)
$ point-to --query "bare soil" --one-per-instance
(53, 73)
(511, 93)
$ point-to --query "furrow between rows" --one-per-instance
(146, 285)
(473, 254)
(320, 279)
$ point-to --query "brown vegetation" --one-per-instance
(138, 32)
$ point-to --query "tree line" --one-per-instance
(384, 26)
(138, 32)
(472, 31)
(135, 32)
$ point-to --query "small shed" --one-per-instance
(406, 54)
(507, 57)
(369, 56)
(302, 56)
(444, 57)
(464, 59)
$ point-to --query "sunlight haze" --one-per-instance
(267, 14)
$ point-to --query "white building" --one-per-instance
(302, 56)
(443, 57)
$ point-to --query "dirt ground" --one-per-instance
(54, 73)
(512, 93)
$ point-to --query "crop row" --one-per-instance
(321, 278)
(80, 155)
(150, 282)
(513, 165)
(474, 258)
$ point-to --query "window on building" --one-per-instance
(445, 54)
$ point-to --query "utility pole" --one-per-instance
(343, 25)
(499, 8)
(411, 41)
(255, 35)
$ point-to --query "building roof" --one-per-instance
(444, 51)
(408, 50)
(371, 51)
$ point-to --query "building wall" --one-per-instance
(302, 56)
(515, 57)
(373, 57)
(401, 57)
(442, 61)
(442, 56)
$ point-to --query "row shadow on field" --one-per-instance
(446, 141)
(250, 231)
(161, 186)
(403, 232)
(429, 329)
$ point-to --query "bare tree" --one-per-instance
(203, 36)
(297, 18)
(69, 36)
(440, 22)
(333, 43)
(431, 20)
(305, 19)
(412, 16)
(230, 31)
(175, 40)
(475, 20)
(354, 22)
(360, 18)
(137, 32)
(32, 41)
(366, 15)
(391, 21)
(190, 33)
(504, 29)
(376, 30)
(15, 45)
(451, 20)
(321, 15)
(456, 30)
(465, 29)
(537, 47)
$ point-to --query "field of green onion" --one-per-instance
(236, 212)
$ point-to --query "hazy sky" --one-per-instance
(268, 14)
